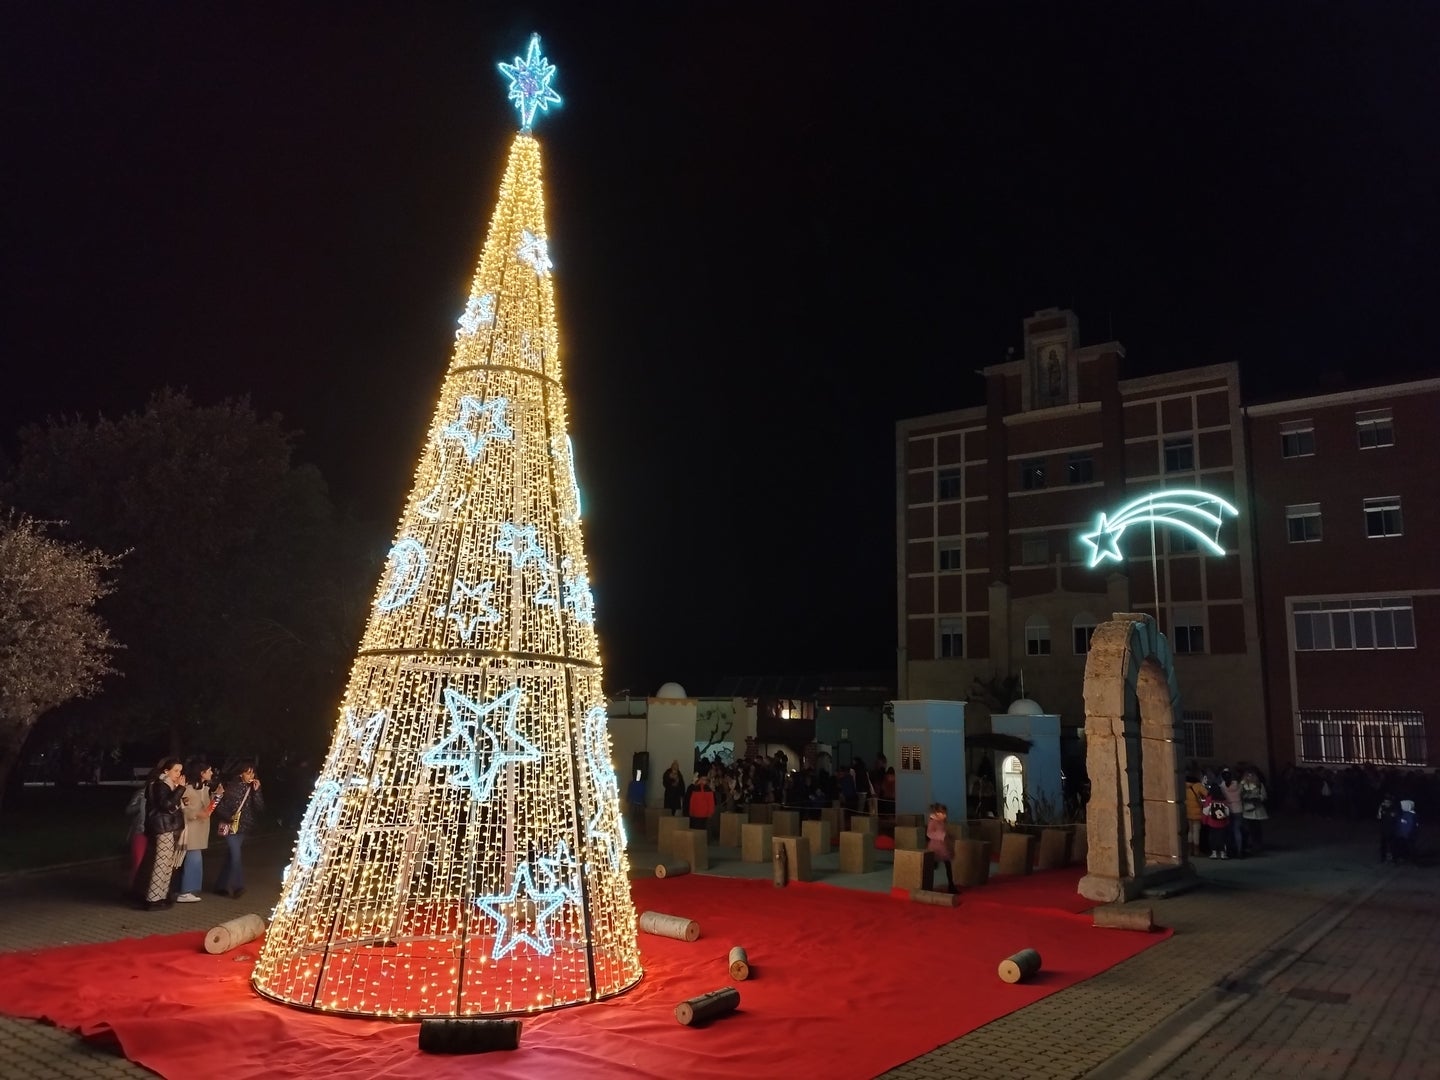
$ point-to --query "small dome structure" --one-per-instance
(671, 690)
(1024, 707)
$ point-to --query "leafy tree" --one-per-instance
(53, 646)
(231, 599)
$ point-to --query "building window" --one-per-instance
(1080, 469)
(1199, 733)
(1324, 625)
(952, 638)
(1083, 629)
(1181, 541)
(1035, 550)
(1361, 736)
(1032, 474)
(1187, 632)
(951, 558)
(1302, 523)
(910, 757)
(1037, 636)
(1297, 438)
(1382, 517)
(1180, 454)
(948, 484)
(1375, 428)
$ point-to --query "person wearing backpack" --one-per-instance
(1215, 813)
(1406, 826)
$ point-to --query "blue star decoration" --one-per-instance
(1104, 542)
(521, 543)
(475, 751)
(534, 252)
(364, 730)
(491, 415)
(578, 597)
(558, 872)
(322, 813)
(480, 311)
(510, 931)
(466, 623)
(530, 80)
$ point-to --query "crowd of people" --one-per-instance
(809, 789)
(171, 818)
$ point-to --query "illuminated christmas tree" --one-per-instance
(463, 852)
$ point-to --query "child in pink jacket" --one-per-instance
(938, 841)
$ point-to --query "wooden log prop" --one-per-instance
(739, 964)
(233, 934)
(671, 868)
(468, 1036)
(782, 866)
(707, 1006)
(671, 926)
(1021, 966)
(1119, 918)
(935, 897)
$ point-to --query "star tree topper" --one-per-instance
(530, 83)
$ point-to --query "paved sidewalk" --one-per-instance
(1310, 960)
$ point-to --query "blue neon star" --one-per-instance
(534, 252)
(480, 311)
(521, 543)
(471, 765)
(579, 599)
(530, 83)
(322, 813)
(557, 871)
(607, 786)
(466, 623)
(502, 909)
(492, 412)
(1104, 542)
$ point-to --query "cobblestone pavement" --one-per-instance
(1309, 960)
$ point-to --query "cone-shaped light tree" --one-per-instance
(463, 852)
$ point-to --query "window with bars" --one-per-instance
(1199, 729)
(1375, 427)
(1302, 523)
(1361, 737)
(1325, 625)
(952, 638)
(1297, 438)
(1382, 517)
(910, 757)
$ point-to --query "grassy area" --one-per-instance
(48, 826)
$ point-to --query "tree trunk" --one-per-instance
(13, 734)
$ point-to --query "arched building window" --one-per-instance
(1083, 629)
(1037, 636)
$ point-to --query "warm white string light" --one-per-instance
(463, 853)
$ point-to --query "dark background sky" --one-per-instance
(777, 229)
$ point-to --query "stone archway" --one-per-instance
(1136, 814)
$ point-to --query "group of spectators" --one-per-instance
(170, 822)
(808, 789)
(1226, 812)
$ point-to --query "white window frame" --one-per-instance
(1033, 474)
(1080, 463)
(941, 495)
(1199, 731)
(1085, 624)
(950, 558)
(1363, 625)
(1306, 513)
(1034, 551)
(1037, 636)
(1379, 424)
(1382, 506)
(1188, 620)
(950, 628)
(1185, 443)
(1298, 428)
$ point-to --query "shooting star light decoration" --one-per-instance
(1186, 510)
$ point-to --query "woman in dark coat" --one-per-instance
(674, 781)
(164, 826)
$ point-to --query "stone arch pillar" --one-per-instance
(1136, 814)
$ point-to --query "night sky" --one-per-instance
(777, 229)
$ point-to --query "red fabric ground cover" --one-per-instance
(847, 983)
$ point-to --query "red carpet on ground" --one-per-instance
(847, 983)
